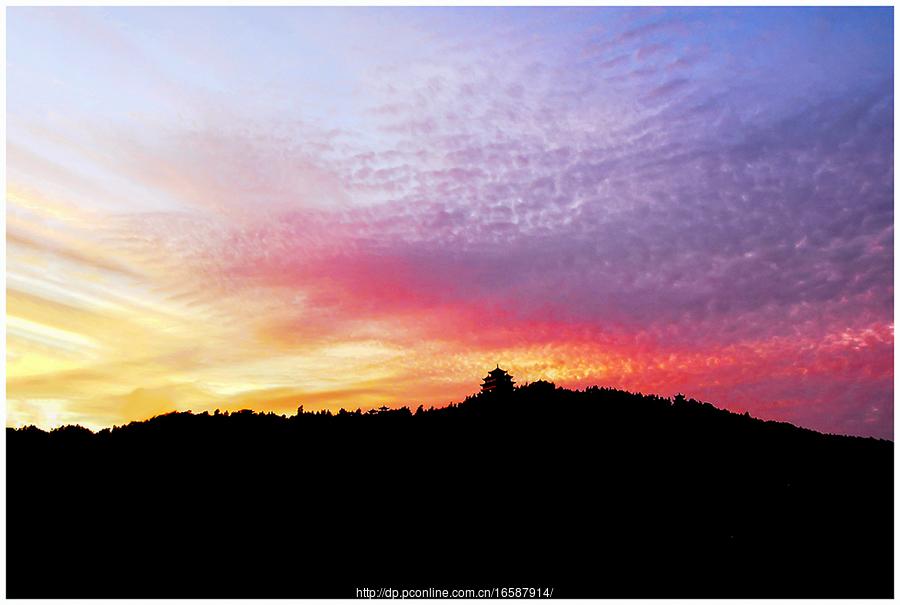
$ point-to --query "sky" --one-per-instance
(344, 207)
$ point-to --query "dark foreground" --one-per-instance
(594, 494)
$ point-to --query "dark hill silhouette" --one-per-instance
(598, 493)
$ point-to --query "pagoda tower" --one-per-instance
(497, 381)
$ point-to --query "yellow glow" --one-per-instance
(43, 333)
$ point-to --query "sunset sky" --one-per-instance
(267, 207)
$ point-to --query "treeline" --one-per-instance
(598, 493)
(541, 398)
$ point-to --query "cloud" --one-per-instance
(647, 200)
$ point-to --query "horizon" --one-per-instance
(262, 208)
(414, 408)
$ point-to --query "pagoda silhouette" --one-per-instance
(497, 381)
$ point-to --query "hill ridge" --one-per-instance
(590, 492)
(527, 389)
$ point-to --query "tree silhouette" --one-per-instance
(597, 493)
